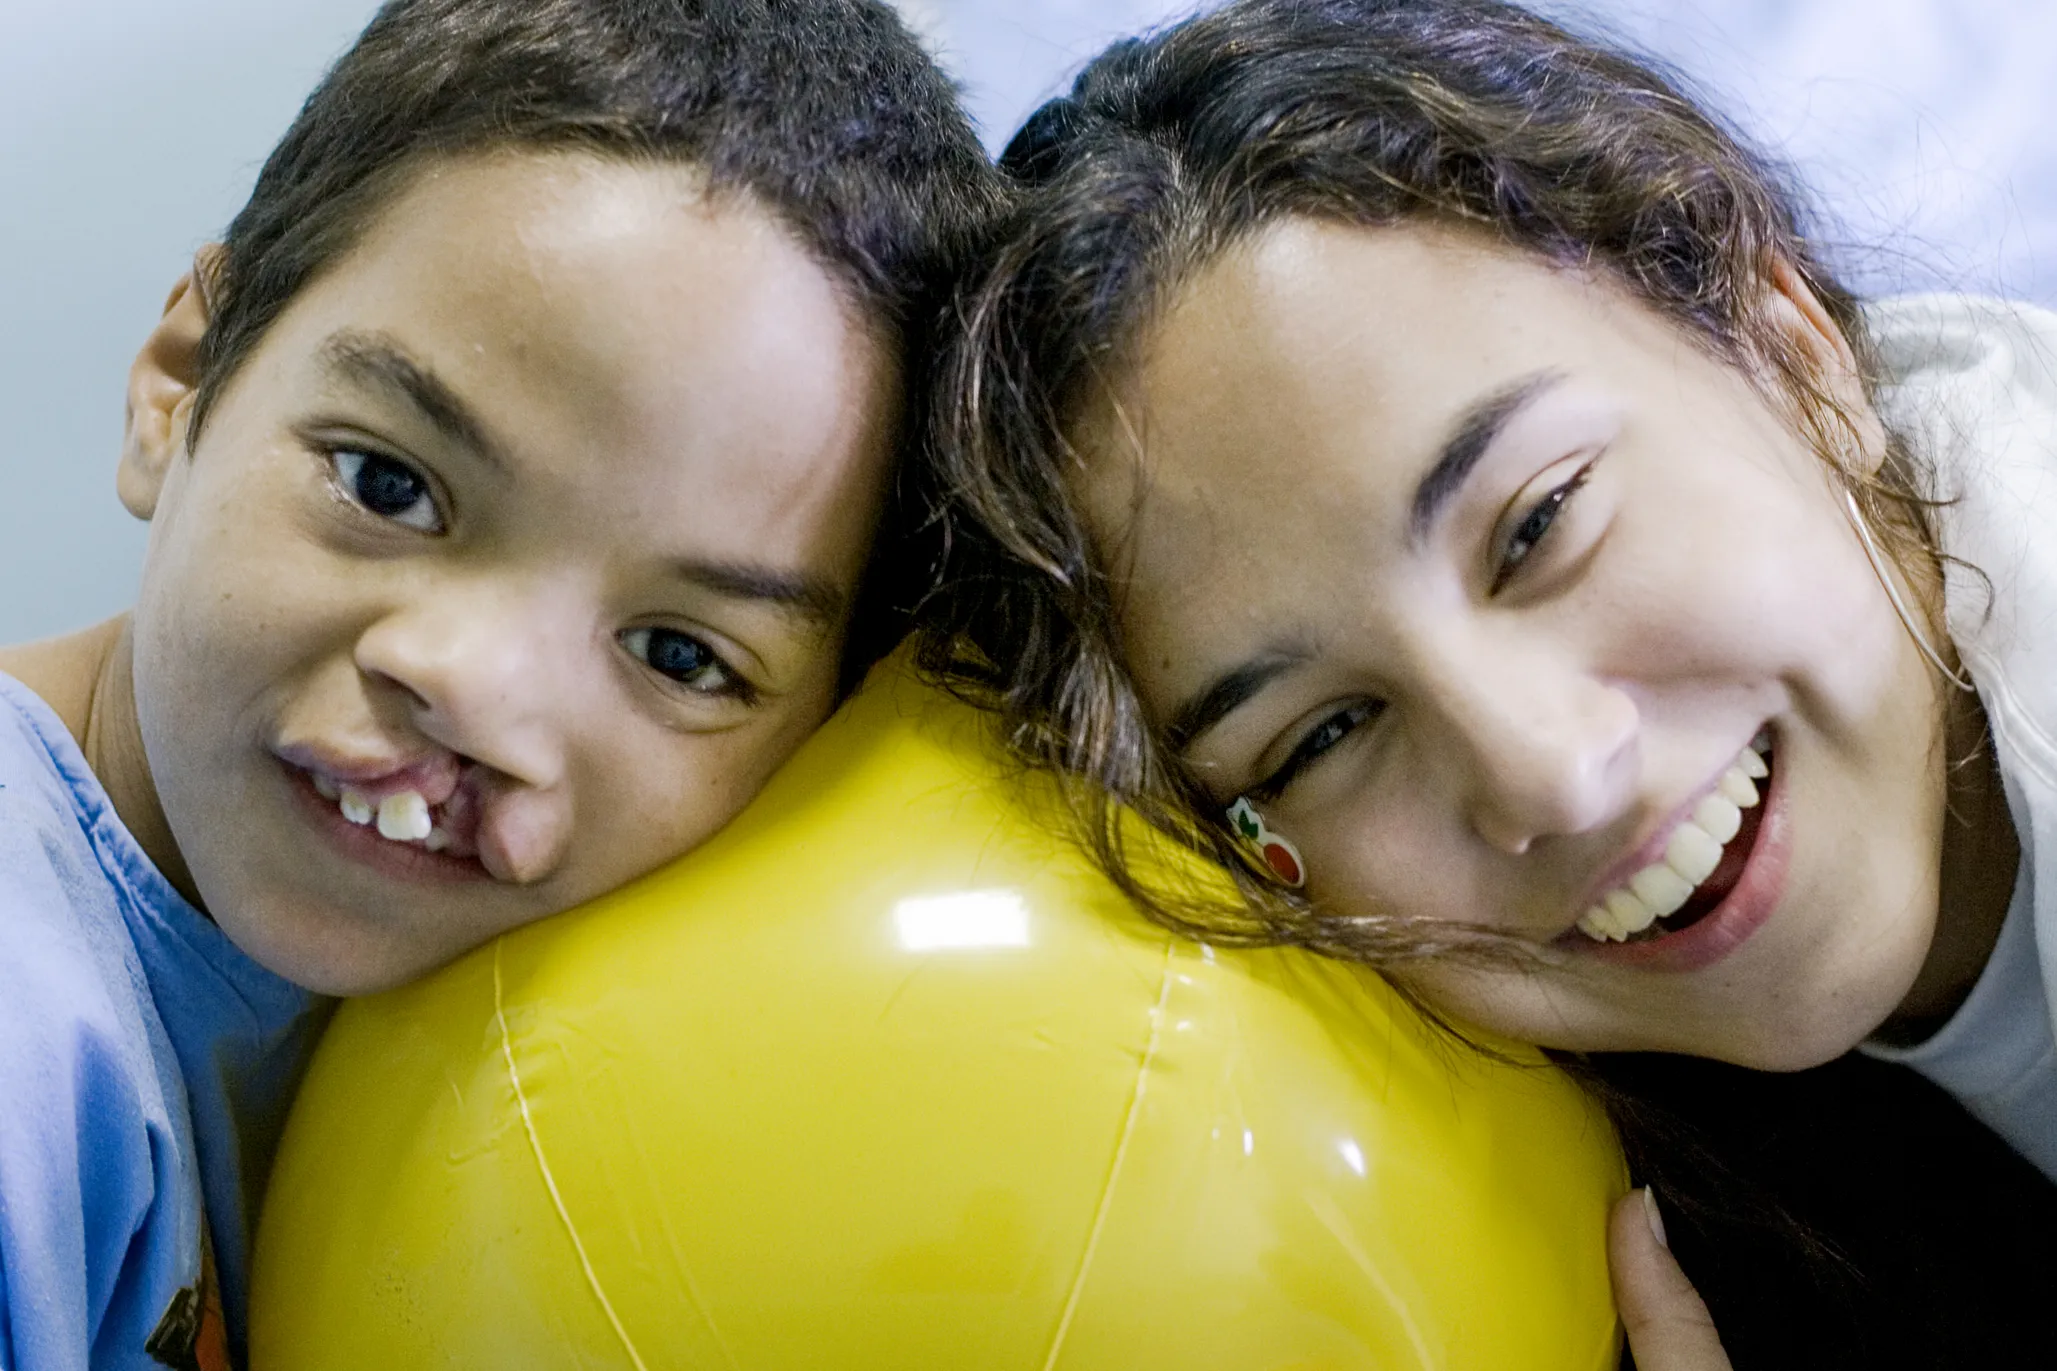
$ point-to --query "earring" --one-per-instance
(1907, 620)
(1279, 856)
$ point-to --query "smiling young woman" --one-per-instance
(1429, 438)
(1474, 577)
(1475, 477)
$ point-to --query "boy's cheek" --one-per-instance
(243, 640)
(656, 805)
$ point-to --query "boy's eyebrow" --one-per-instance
(376, 362)
(1469, 440)
(813, 599)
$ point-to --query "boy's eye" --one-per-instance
(683, 658)
(388, 488)
(1535, 526)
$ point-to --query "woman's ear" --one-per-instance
(1796, 313)
(162, 385)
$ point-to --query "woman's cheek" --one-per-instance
(1385, 858)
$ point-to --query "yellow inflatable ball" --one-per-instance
(887, 1076)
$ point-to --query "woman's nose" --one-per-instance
(486, 670)
(1544, 751)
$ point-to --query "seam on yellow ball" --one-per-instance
(1327, 1215)
(1128, 1129)
(528, 1123)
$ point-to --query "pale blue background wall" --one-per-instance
(130, 129)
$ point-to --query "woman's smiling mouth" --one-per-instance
(1735, 899)
(1703, 858)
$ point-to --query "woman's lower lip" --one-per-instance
(1756, 897)
(361, 843)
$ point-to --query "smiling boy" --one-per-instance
(512, 471)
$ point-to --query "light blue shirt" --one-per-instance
(145, 1068)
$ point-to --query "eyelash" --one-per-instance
(349, 465)
(1546, 509)
(1313, 747)
(732, 685)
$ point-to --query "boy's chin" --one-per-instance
(329, 953)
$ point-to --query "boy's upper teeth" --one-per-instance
(404, 818)
(356, 808)
(401, 818)
(1690, 856)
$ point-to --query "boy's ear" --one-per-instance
(162, 385)
(1797, 313)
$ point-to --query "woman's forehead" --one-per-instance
(1409, 314)
(1315, 344)
(1304, 410)
(1295, 358)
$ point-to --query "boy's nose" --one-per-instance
(486, 670)
(1545, 751)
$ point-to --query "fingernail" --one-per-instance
(1656, 1219)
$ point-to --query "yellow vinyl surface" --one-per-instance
(887, 1077)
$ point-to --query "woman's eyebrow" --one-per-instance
(373, 361)
(1223, 695)
(1469, 441)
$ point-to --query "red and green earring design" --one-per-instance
(1279, 856)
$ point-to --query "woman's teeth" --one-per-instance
(1662, 888)
(401, 818)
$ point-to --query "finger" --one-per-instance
(1669, 1328)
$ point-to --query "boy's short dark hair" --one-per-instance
(828, 113)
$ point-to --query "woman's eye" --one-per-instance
(388, 488)
(1317, 742)
(1535, 526)
(683, 658)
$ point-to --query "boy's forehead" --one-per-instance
(552, 239)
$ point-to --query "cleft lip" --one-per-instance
(433, 775)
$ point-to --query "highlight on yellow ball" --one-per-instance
(887, 1077)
